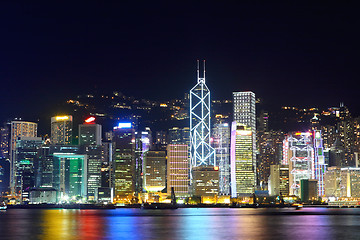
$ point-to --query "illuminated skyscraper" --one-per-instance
(298, 154)
(124, 162)
(319, 162)
(26, 164)
(70, 175)
(95, 154)
(154, 171)
(143, 142)
(244, 113)
(18, 129)
(244, 109)
(178, 169)
(201, 153)
(61, 129)
(221, 144)
(243, 175)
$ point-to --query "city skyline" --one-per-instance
(109, 129)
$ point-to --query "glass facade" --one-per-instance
(243, 175)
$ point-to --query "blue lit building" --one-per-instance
(201, 153)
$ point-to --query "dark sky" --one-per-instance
(288, 54)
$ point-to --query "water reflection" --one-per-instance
(189, 223)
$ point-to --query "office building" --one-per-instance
(279, 180)
(245, 114)
(154, 171)
(90, 132)
(124, 162)
(221, 144)
(319, 167)
(178, 169)
(308, 190)
(298, 154)
(201, 153)
(243, 175)
(70, 175)
(206, 181)
(143, 142)
(342, 182)
(26, 163)
(18, 129)
(94, 154)
(45, 167)
(61, 130)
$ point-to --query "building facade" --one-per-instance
(154, 171)
(178, 169)
(18, 129)
(221, 144)
(61, 130)
(243, 173)
(279, 180)
(244, 113)
(201, 153)
(124, 162)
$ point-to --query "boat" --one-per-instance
(3, 206)
(171, 205)
(158, 206)
(298, 206)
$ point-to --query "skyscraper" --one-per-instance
(26, 164)
(154, 171)
(178, 169)
(90, 132)
(201, 153)
(243, 175)
(18, 129)
(94, 154)
(143, 142)
(70, 175)
(244, 109)
(319, 167)
(124, 162)
(298, 154)
(61, 129)
(221, 144)
(244, 113)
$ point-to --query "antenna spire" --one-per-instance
(204, 69)
(198, 69)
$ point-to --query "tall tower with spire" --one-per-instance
(201, 153)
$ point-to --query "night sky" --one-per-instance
(288, 54)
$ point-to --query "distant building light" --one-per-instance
(123, 125)
(61, 118)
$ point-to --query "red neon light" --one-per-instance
(90, 120)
